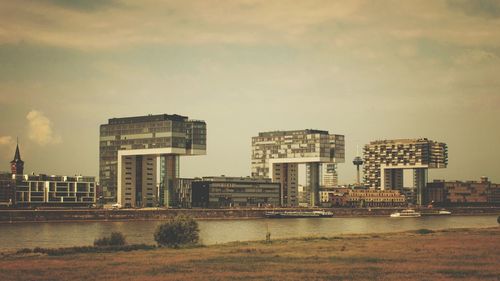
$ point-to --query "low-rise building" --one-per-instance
(227, 192)
(36, 190)
(483, 192)
(375, 198)
(7, 194)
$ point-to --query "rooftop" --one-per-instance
(147, 118)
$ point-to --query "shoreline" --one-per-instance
(102, 215)
(223, 218)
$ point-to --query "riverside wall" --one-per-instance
(46, 215)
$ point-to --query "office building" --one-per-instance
(227, 192)
(277, 155)
(45, 190)
(385, 160)
(139, 157)
(463, 193)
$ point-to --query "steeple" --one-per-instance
(17, 165)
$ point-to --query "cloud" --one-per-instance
(40, 129)
(6, 140)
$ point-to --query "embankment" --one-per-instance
(8, 216)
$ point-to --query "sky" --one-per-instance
(369, 70)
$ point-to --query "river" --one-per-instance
(65, 234)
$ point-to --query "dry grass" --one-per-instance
(467, 254)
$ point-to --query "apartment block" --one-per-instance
(458, 193)
(277, 154)
(385, 160)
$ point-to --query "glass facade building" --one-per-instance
(277, 154)
(152, 142)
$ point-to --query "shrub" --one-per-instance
(24, 251)
(181, 230)
(116, 239)
(424, 231)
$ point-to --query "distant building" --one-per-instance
(139, 157)
(7, 193)
(227, 192)
(329, 175)
(375, 198)
(385, 160)
(460, 193)
(277, 154)
(38, 190)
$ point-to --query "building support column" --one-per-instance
(420, 184)
(312, 183)
(169, 179)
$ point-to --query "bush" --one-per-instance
(24, 251)
(424, 231)
(181, 230)
(116, 239)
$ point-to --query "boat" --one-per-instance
(408, 213)
(444, 212)
(441, 212)
(298, 214)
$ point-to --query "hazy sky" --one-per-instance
(366, 69)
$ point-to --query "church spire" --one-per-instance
(17, 165)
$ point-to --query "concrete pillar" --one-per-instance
(420, 184)
(312, 183)
(168, 180)
(287, 175)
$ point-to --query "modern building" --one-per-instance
(277, 155)
(7, 191)
(227, 192)
(37, 190)
(139, 157)
(385, 161)
(460, 193)
(329, 176)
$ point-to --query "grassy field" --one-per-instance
(466, 254)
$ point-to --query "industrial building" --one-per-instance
(139, 157)
(227, 192)
(385, 161)
(277, 154)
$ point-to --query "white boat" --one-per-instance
(444, 212)
(408, 213)
(299, 214)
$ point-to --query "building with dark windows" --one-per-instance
(139, 157)
(7, 193)
(463, 193)
(277, 154)
(227, 192)
(385, 161)
(45, 190)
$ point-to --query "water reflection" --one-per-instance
(57, 234)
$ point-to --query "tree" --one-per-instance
(180, 230)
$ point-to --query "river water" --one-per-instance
(66, 234)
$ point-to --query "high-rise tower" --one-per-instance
(17, 165)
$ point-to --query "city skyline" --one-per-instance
(364, 69)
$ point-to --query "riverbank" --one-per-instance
(10, 216)
(470, 254)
